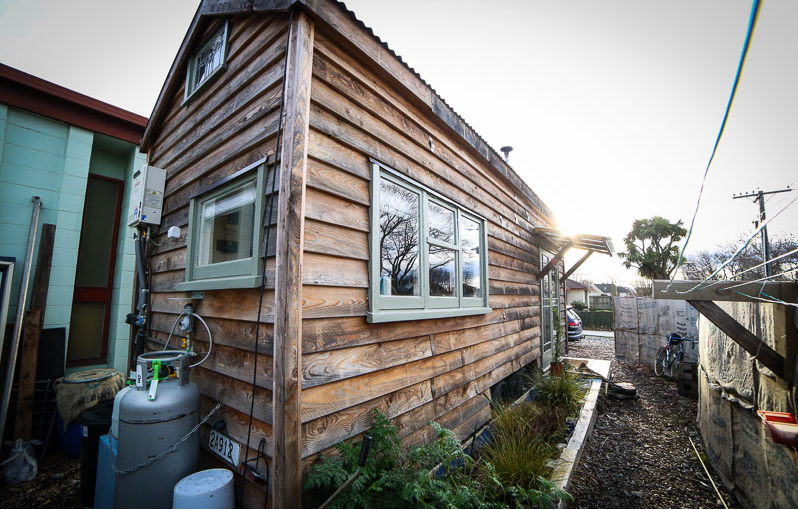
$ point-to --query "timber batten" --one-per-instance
(322, 368)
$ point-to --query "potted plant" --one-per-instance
(556, 359)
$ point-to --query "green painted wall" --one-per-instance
(40, 156)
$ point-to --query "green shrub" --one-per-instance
(518, 459)
(399, 477)
(564, 392)
(579, 306)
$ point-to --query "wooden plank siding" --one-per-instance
(225, 127)
(414, 371)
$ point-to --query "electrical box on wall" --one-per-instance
(146, 196)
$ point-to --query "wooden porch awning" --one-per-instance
(563, 242)
(598, 244)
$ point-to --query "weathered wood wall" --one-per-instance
(414, 371)
(227, 126)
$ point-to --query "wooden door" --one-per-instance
(91, 303)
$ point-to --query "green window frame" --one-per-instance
(213, 48)
(245, 272)
(431, 291)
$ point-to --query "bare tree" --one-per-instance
(398, 250)
(705, 263)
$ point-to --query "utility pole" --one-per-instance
(760, 196)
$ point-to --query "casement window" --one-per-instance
(428, 254)
(225, 233)
(207, 61)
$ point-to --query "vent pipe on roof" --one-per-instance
(506, 150)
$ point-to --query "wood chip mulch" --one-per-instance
(56, 486)
(639, 454)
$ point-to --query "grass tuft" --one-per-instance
(564, 392)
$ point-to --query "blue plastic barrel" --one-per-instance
(69, 439)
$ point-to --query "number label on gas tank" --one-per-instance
(224, 447)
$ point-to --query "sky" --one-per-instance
(612, 106)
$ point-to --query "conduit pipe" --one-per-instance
(21, 304)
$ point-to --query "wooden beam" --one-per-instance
(41, 279)
(29, 350)
(23, 423)
(740, 334)
(717, 290)
(287, 426)
(576, 266)
(553, 262)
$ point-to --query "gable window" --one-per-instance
(225, 233)
(207, 61)
(428, 257)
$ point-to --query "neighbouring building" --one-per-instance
(576, 291)
(77, 154)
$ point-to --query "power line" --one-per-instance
(759, 280)
(774, 259)
(738, 252)
(760, 196)
(748, 36)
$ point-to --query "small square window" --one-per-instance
(427, 254)
(225, 233)
(207, 61)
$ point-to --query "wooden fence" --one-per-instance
(596, 320)
(600, 303)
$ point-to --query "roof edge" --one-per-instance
(436, 103)
(28, 92)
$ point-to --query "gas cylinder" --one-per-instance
(149, 419)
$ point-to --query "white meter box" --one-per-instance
(146, 196)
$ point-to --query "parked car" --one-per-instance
(574, 325)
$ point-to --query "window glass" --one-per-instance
(226, 226)
(441, 223)
(472, 268)
(209, 59)
(428, 253)
(441, 271)
(399, 241)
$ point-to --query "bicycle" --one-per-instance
(669, 356)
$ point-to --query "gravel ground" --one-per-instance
(57, 486)
(639, 454)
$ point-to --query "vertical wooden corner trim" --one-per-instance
(288, 274)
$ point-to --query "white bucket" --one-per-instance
(212, 488)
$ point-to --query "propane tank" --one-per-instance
(147, 422)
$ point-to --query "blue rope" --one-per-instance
(749, 34)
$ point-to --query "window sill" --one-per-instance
(236, 282)
(412, 315)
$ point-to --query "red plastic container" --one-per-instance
(782, 427)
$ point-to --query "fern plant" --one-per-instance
(399, 477)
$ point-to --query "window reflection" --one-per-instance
(441, 271)
(441, 223)
(470, 240)
(227, 226)
(209, 60)
(399, 274)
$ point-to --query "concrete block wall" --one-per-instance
(40, 156)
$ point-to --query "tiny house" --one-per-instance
(351, 242)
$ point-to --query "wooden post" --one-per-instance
(553, 262)
(29, 350)
(576, 266)
(740, 334)
(287, 433)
